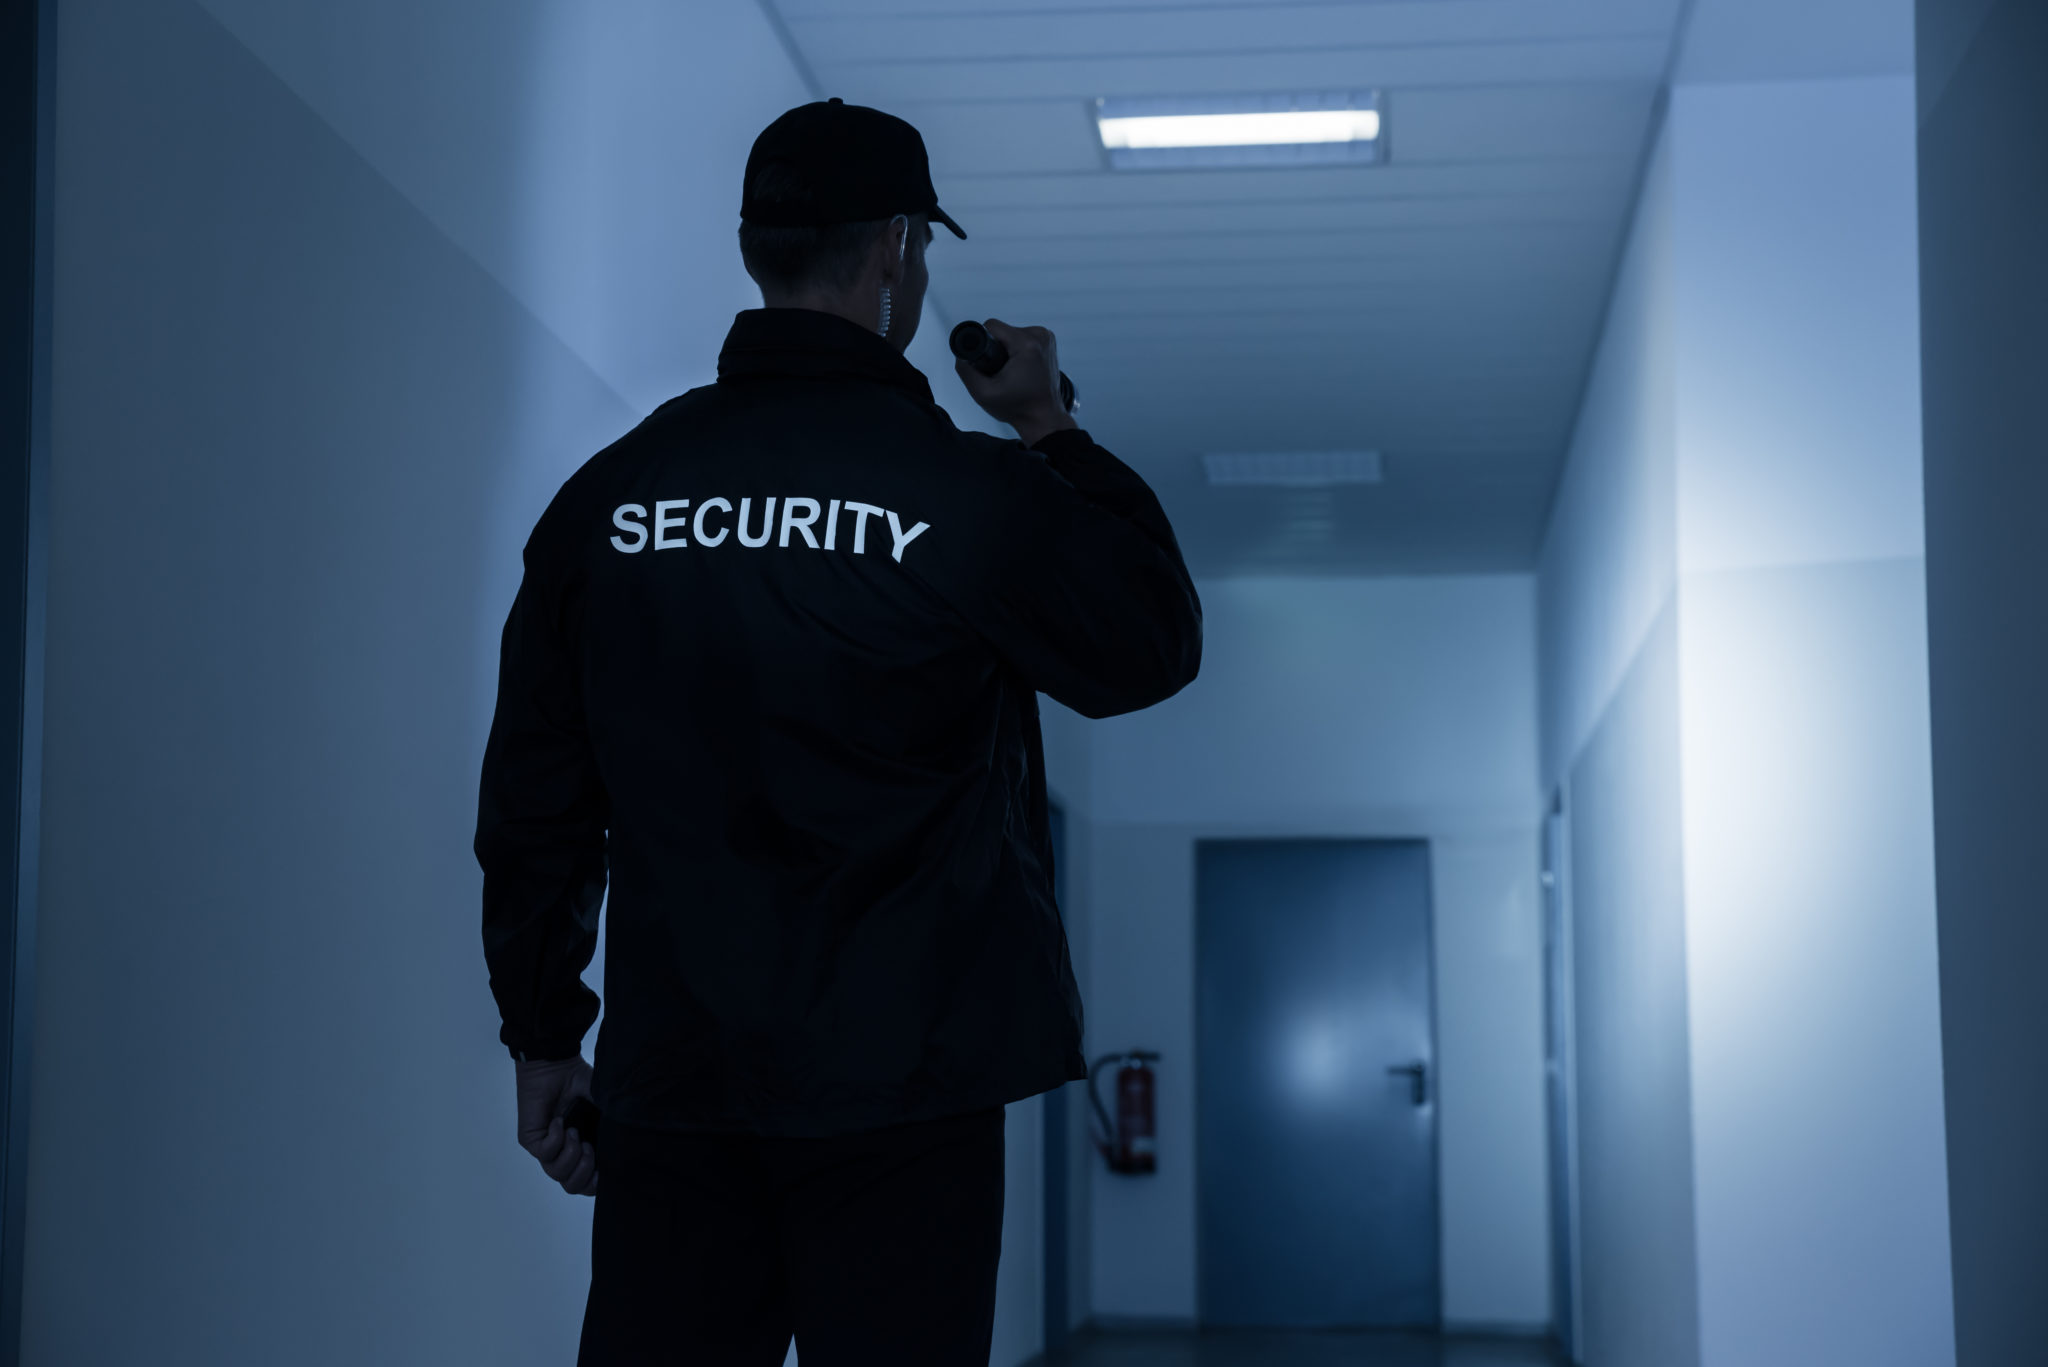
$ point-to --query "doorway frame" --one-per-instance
(1055, 1236)
(1561, 1090)
(27, 152)
(1436, 1140)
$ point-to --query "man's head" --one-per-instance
(836, 214)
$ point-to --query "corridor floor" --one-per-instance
(1285, 1348)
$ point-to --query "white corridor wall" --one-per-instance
(1735, 689)
(1807, 781)
(271, 1120)
(343, 293)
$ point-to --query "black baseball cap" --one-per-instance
(859, 163)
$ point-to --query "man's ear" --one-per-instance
(895, 249)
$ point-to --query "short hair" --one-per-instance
(827, 254)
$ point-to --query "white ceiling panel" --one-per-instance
(1279, 269)
(1440, 308)
(1435, 126)
(1253, 70)
(1094, 33)
(1435, 245)
(1314, 219)
(1466, 19)
(1519, 123)
(1413, 319)
(1024, 137)
(1324, 396)
(1282, 185)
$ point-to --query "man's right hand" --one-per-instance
(545, 1091)
(1025, 393)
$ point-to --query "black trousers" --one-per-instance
(871, 1249)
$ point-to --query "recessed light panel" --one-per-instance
(1293, 469)
(1318, 128)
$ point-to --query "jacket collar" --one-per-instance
(804, 342)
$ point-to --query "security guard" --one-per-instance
(773, 673)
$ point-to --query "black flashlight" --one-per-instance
(972, 343)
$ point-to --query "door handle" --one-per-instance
(1417, 1074)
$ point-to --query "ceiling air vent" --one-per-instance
(1294, 469)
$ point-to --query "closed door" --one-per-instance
(1316, 1073)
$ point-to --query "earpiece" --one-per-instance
(901, 243)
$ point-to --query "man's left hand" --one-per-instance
(545, 1091)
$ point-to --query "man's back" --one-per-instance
(783, 643)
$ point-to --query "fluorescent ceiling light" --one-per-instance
(1294, 469)
(1242, 130)
(1318, 128)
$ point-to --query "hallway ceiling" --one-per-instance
(1441, 308)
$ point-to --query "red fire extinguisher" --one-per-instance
(1128, 1144)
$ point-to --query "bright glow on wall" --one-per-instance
(1242, 130)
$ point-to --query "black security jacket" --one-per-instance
(773, 672)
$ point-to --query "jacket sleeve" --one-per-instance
(540, 837)
(1083, 590)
